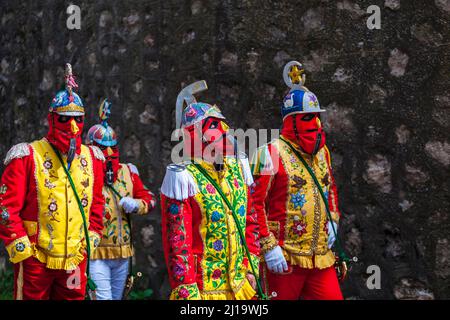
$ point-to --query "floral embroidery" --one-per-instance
(218, 245)
(20, 247)
(299, 182)
(298, 200)
(48, 184)
(210, 188)
(51, 236)
(216, 274)
(236, 183)
(3, 189)
(48, 164)
(83, 162)
(241, 211)
(84, 201)
(298, 227)
(85, 183)
(52, 210)
(215, 216)
(184, 293)
(178, 270)
(174, 209)
(4, 215)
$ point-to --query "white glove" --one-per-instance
(331, 235)
(275, 260)
(129, 204)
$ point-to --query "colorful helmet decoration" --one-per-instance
(103, 134)
(66, 102)
(195, 111)
(299, 99)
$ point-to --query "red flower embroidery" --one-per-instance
(210, 188)
(216, 274)
(299, 228)
(184, 293)
(107, 216)
(236, 183)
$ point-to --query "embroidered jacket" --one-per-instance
(290, 209)
(115, 243)
(203, 250)
(39, 213)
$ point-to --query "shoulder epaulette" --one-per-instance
(97, 153)
(178, 183)
(18, 151)
(246, 171)
(133, 168)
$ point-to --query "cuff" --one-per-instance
(142, 208)
(94, 240)
(186, 292)
(268, 243)
(20, 249)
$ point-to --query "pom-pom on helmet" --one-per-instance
(103, 134)
(299, 99)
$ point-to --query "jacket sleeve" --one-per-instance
(333, 201)
(13, 190)
(98, 206)
(263, 174)
(145, 197)
(252, 233)
(177, 243)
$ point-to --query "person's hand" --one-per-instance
(251, 278)
(275, 260)
(331, 235)
(129, 204)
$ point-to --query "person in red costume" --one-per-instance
(125, 195)
(41, 223)
(204, 238)
(296, 233)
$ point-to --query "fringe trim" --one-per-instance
(59, 263)
(178, 183)
(246, 171)
(246, 292)
(320, 261)
(120, 252)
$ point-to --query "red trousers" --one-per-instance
(34, 281)
(300, 283)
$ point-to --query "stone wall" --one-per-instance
(386, 92)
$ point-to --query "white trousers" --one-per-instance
(110, 276)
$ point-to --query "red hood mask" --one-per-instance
(111, 165)
(209, 142)
(305, 130)
(64, 132)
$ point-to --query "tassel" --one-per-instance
(178, 183)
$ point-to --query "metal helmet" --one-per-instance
(195, 111)
(103, 134)
(299, 99)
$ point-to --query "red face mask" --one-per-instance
(111, 165)
(64, 131)
(306, 130)
(210, 141)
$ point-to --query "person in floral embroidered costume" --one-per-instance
(296, 235)
(41, 223)
(125, 194)
(205, 256)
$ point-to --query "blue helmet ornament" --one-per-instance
(66, 102)
(103, 134)
(299, 99)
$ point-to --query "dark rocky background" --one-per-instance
(386, 92)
